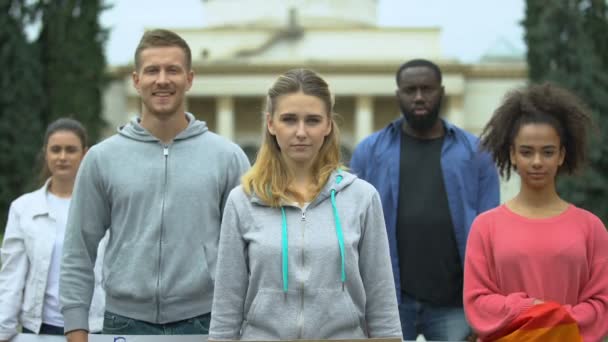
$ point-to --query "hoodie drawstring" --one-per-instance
(284, 243)
(339, 234)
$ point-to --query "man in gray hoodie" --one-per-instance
(159, 186)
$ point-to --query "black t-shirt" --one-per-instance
(428, 254)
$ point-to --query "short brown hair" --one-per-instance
(162, 38)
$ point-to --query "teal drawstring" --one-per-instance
(339, 233)
(284, 243)
(339, 227)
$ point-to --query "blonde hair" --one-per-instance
(269, 178)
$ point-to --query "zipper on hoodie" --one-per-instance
(300, 321)
(160, 242)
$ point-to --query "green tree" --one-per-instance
(71, 43)
(567, 45)
(21, 102)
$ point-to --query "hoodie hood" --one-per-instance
(346, 179)
(134, 130)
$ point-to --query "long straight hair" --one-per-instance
(269, 177)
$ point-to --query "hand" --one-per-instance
(77, 336)
(537, 301)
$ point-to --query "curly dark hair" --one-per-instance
(547, 104)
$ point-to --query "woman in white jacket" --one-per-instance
(33, 241)
(303, 250)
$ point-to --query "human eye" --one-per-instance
(525, 153)
(313, 120)
(71, 149)
(408, 90)
(173, 70)
(288, 118)
(55, 149)
(150, 70)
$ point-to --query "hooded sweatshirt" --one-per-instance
(254, 302)
(163, 205)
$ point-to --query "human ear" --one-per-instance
(269, 124)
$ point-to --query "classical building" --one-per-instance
(246, 44)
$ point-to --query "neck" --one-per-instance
(437, 131)
(302, 181)
(165, 128)
(61, 187)
(538, 199)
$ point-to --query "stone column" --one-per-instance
(364, 117)
(455, 111)
(225, 117)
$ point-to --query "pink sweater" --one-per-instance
(512, 260)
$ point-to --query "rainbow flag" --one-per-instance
(545, 322)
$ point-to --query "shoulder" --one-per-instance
(390, 132)
(111, 147)
(359, 189)
(488, 218)
(219, 143)
(29, 202)
(587, 218)
(469, 146)
(238, 197)
(463, 138)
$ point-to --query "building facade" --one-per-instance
(246, 44)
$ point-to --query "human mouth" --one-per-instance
(162, 93)
(536, 174)
(299, 146)
(420, 111)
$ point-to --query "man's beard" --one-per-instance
(421, 123)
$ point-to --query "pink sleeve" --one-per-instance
(591, 312)
(486, 307)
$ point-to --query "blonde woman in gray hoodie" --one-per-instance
(303, 250)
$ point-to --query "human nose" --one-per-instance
(418, 96)
(301, 130)
(162, 77)
(536, 160)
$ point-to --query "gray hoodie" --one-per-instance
(254, 302)
(163, 206)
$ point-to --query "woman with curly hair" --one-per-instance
(536, 267)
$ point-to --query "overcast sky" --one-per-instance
(469, 27)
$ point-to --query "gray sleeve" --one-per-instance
(381, 311)
(88, 220)
(231, 280)
(239, 164)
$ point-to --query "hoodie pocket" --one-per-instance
(132, 273)
(331, 314)
(271, 315)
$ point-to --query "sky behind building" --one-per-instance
(470, 28)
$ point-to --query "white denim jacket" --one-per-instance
(25, 255)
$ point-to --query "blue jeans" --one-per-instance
(45, 329)
(114, 324)
(435, 323)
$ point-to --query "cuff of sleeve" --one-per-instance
(75, 319)
(527, 303)
(7, 335)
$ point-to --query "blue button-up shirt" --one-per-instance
(470, 178)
